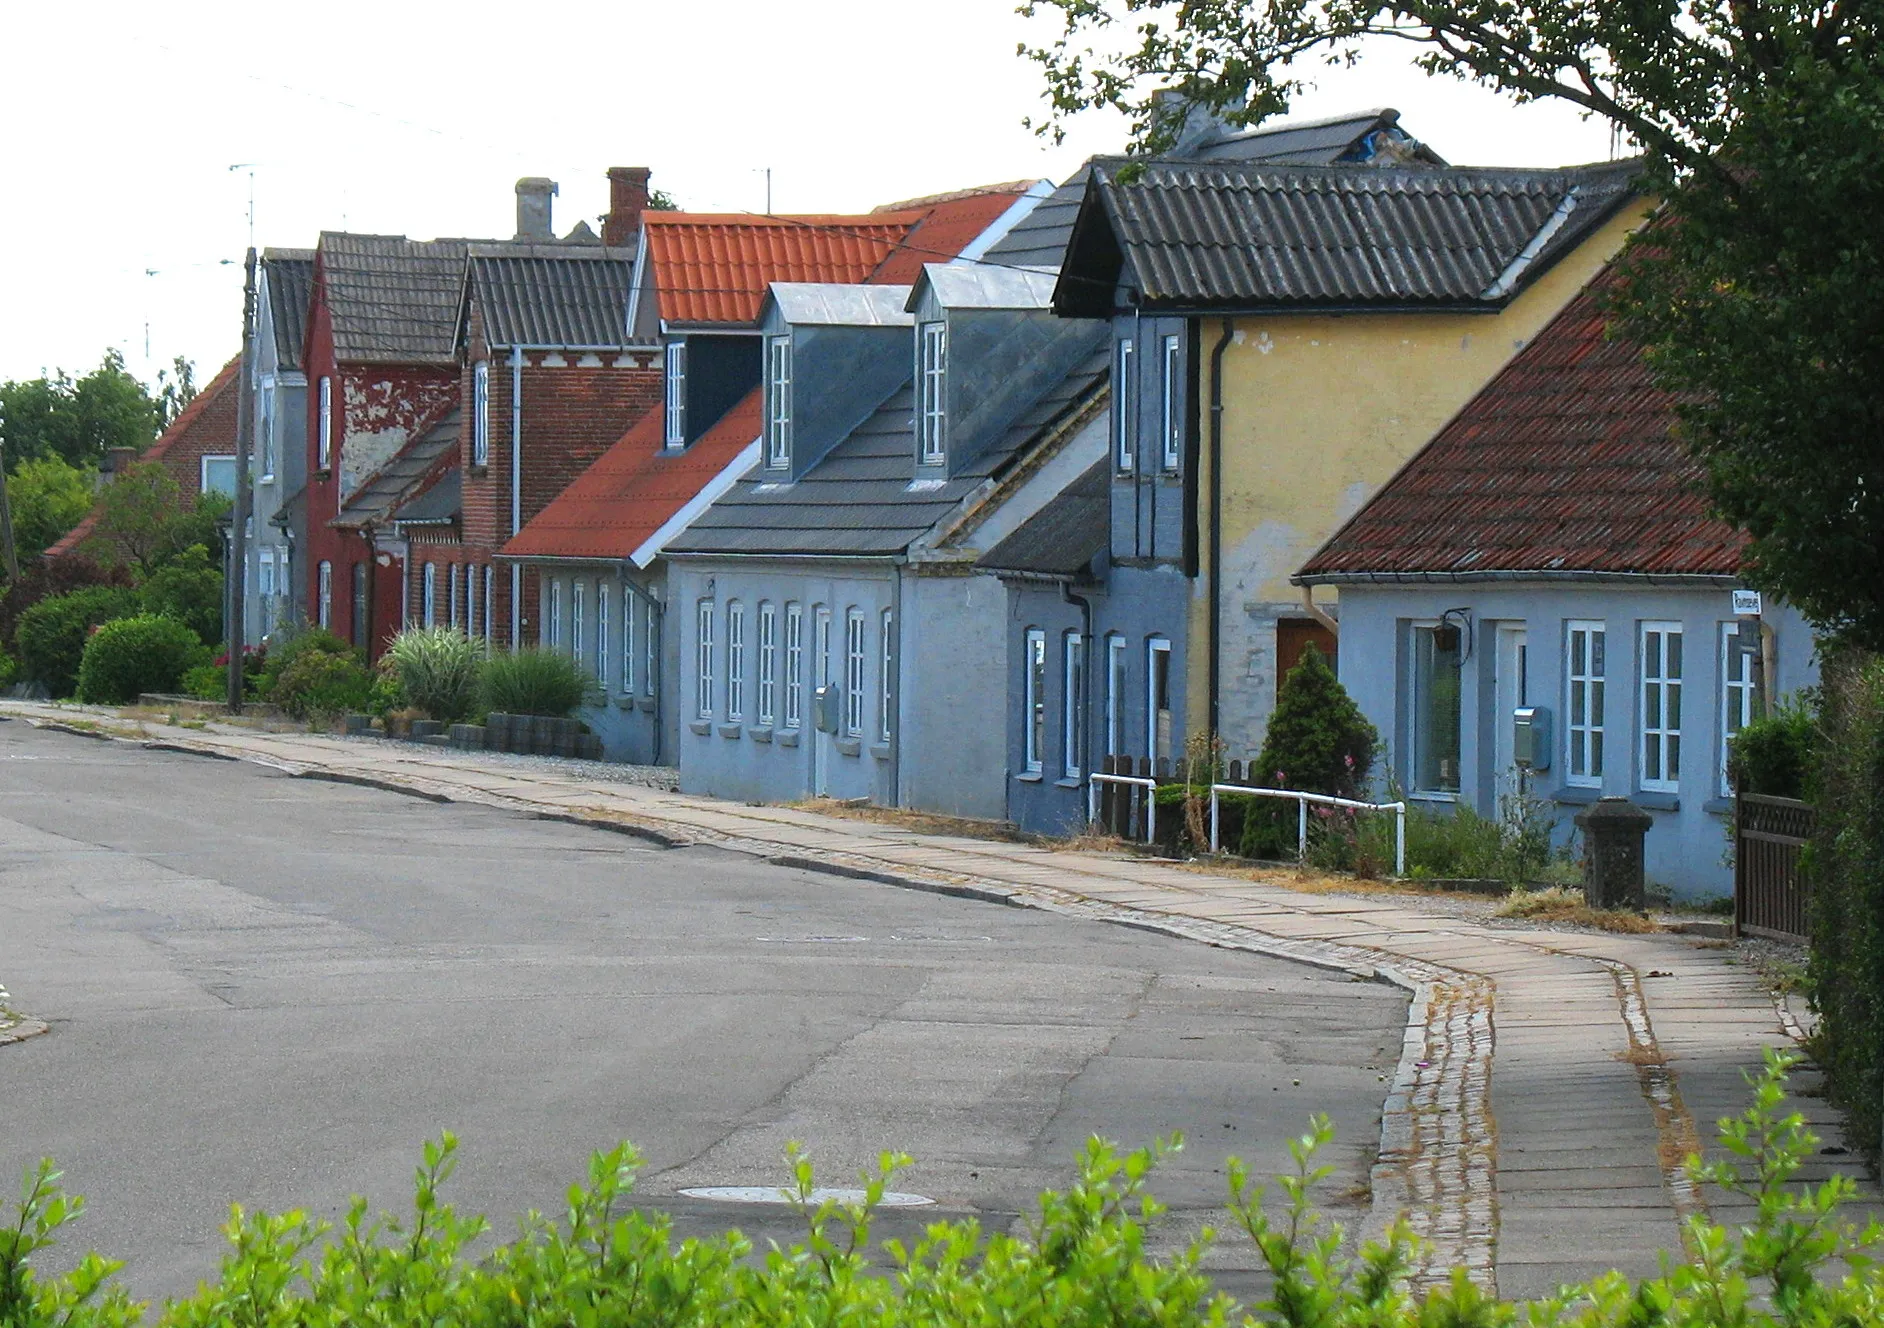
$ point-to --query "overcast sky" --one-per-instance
(126, 224)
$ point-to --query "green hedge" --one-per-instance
(1844, 868)
(53, 632)
(1775, 754)
(129, 656)
(1082, 1260)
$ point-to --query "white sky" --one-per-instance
(125, 226)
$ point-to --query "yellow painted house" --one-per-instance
(1305, 331)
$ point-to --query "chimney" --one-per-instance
(533, 209)
(627, 200)
(117, 460)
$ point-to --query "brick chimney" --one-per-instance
(627, 200)
(533, 209)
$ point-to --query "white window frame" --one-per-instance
(1033, 700)
(1125, 407)
(429, 596)
(1171, 387)
(603, 593)
(1416, 713)
(451, 592)
(578, 639)
(1118, 681)
(674, 398)
(932, 351)
(735, 660)
(794, 664)
(553, 623)
(203, 464)
(778, 403)
(650, 649)
(488, 616)
(265, 572)
(1072, 705)
(265, 429)
(324, 578)
(324, 427)
(481, 413)
(471, 601)
(1585, 741)
(1155, 647)
(1661, 664)
(886, 626)
(768, 662)
(1739, 694)
(628, 607)
(855, 664)
(703, 695)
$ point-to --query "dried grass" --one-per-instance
(922, 823)
(1561, 904)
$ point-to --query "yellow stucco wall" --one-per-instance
(1319, 412)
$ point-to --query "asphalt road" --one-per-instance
(271, 990)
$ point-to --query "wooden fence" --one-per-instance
(1769, 892)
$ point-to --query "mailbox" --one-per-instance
(824, 706)
(1530, 737)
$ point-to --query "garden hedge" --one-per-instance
(53, 632)
(129, 656)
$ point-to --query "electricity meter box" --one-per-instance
(1530, 737)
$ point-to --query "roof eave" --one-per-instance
(1559, 575)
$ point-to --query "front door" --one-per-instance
(823, 748)
(1512, 691)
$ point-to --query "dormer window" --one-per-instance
(778, 402)
(931, 372)
(676, 399)
(481, 413)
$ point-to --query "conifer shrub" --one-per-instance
(129, 656)
(53, 632)
(438, 670)
(1317, 742)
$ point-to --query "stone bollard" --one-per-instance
(1613, 870)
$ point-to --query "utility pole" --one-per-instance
(237, 585)
(6, 523)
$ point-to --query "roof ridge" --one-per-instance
(188, 415)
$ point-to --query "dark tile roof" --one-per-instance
(1062, 538)
(381, 493)
(438, 504)
(290, 278)
(1039, 239)
(393, 300)
(1195, 236)
(551, 295)
(1564, 464)
(859, 499)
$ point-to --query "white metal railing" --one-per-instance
(1301, 816)
(1095, 779)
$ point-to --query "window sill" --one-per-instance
(1069, 782)
(1657, 801)
(880, 750)
(1719, 806)
(1432, 797)
(787, 738)
(732, 730)
(1576, 795)
(759, 733)
(849, 747)
(624, 703)
(479, 469)
(646, 703)
(1031, 777)
(265, 479)
(700, 726)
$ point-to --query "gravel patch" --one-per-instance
(661, 777)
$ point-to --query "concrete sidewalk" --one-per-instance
(1550, 1083)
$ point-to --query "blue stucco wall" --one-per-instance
(633, 713)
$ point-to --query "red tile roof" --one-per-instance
(948, 226)
(1564, 463)
(632, 490)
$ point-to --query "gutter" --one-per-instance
(1693, 579)
(1216, 526)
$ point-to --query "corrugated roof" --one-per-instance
(1062, 538)
(861, 499)
(635, 488)
(716, 268)
(393, 300)
(805, 303)
(290, 277)
(1207, 236)
(552, 295)
(1564, 463)
(389, 486)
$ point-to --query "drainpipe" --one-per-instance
(1319, 614)
(896, 697)
(516, 491)
(1216, 524)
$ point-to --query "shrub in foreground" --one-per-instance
(534, 681)
(52, 634)
(1773, 755)
(1080, 1262)
(282, 655)
(128, 656)
(318, 685)
(438, 670)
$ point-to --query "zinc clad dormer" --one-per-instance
(832, 354)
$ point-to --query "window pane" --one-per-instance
(1436, 716)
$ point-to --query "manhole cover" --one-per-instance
(773, 1194)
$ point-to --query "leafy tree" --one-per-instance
(1763, 124)
(43, 579)
(146, 520)
(189, 589)
(79, 420)
(49, 497)
(176, 388)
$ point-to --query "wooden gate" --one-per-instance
(1769, 892)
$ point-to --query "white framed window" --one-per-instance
(1117, 662)
(1033, 700)
(1585, 671)
(1738, 694)
(887, 676)
(324, 574)
(487, 602)
(1073, 705)
(1437, 677)
(553, 621)
(931, 377)
(428, 614)
(324, 424)
(735, 660)
(451, 591)
(627, 642)
(768, 662)
(265, 578)
(602, 596)
(674, 403)
(794, 664)
(481, 413)
(1171, 399)
(1661, 706)
(778, 402)
(471, 601)
(1125, 406)
(1160, 718)
(854, 662)
(650, 649)
(703, 662)
(217, 474)
(265, 427)
(578, 618)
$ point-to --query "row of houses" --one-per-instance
(941, 504)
